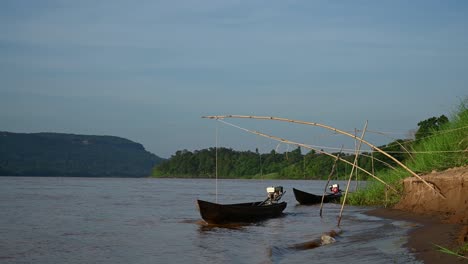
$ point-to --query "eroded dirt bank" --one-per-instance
(452, 183)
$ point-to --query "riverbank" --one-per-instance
(428, 231)
(437, 221)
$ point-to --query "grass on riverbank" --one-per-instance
(458, 252)
(440, 151)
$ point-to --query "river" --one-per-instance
(146, 220)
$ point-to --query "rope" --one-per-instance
(412, 152)
(433, 132)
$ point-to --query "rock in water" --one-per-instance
(326, 239)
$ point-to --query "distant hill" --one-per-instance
(56, 154)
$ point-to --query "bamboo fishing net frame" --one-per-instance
(337, 131)
(308, 147)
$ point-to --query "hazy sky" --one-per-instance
(148, 70)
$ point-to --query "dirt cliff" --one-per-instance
(452, 183)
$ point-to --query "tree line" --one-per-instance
(249, 164)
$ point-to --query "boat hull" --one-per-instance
(214, 213)
(309, 198)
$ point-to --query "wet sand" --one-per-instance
(428, 230)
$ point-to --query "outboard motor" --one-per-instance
(335, 188)
(274, 194)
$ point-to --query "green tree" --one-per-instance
(428, 126)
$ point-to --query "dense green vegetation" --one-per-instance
(55, 154)
(442, 144)
(248, 164)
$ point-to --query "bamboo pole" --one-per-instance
(303, 167)
(356, 156)
(335, 130)
(307, 147)
(329, 178)
(216, 160)
(386, 197)
(357, 162)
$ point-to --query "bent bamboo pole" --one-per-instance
(332, 129)
(307, 147)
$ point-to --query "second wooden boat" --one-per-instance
(309, 198)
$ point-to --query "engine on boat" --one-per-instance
(274, 194)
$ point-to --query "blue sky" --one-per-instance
(148, 70)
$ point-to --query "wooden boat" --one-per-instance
(214, 213)
(309, 198)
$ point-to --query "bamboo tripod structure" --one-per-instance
(337, 131)
(356, 155)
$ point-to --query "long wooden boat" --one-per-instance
(214, 213)
(309, 198)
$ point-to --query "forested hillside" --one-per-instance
(55, 154)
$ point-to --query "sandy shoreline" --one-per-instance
(438, 220)
(428, 230)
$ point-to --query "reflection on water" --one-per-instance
(98, 220)
(205, 227)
